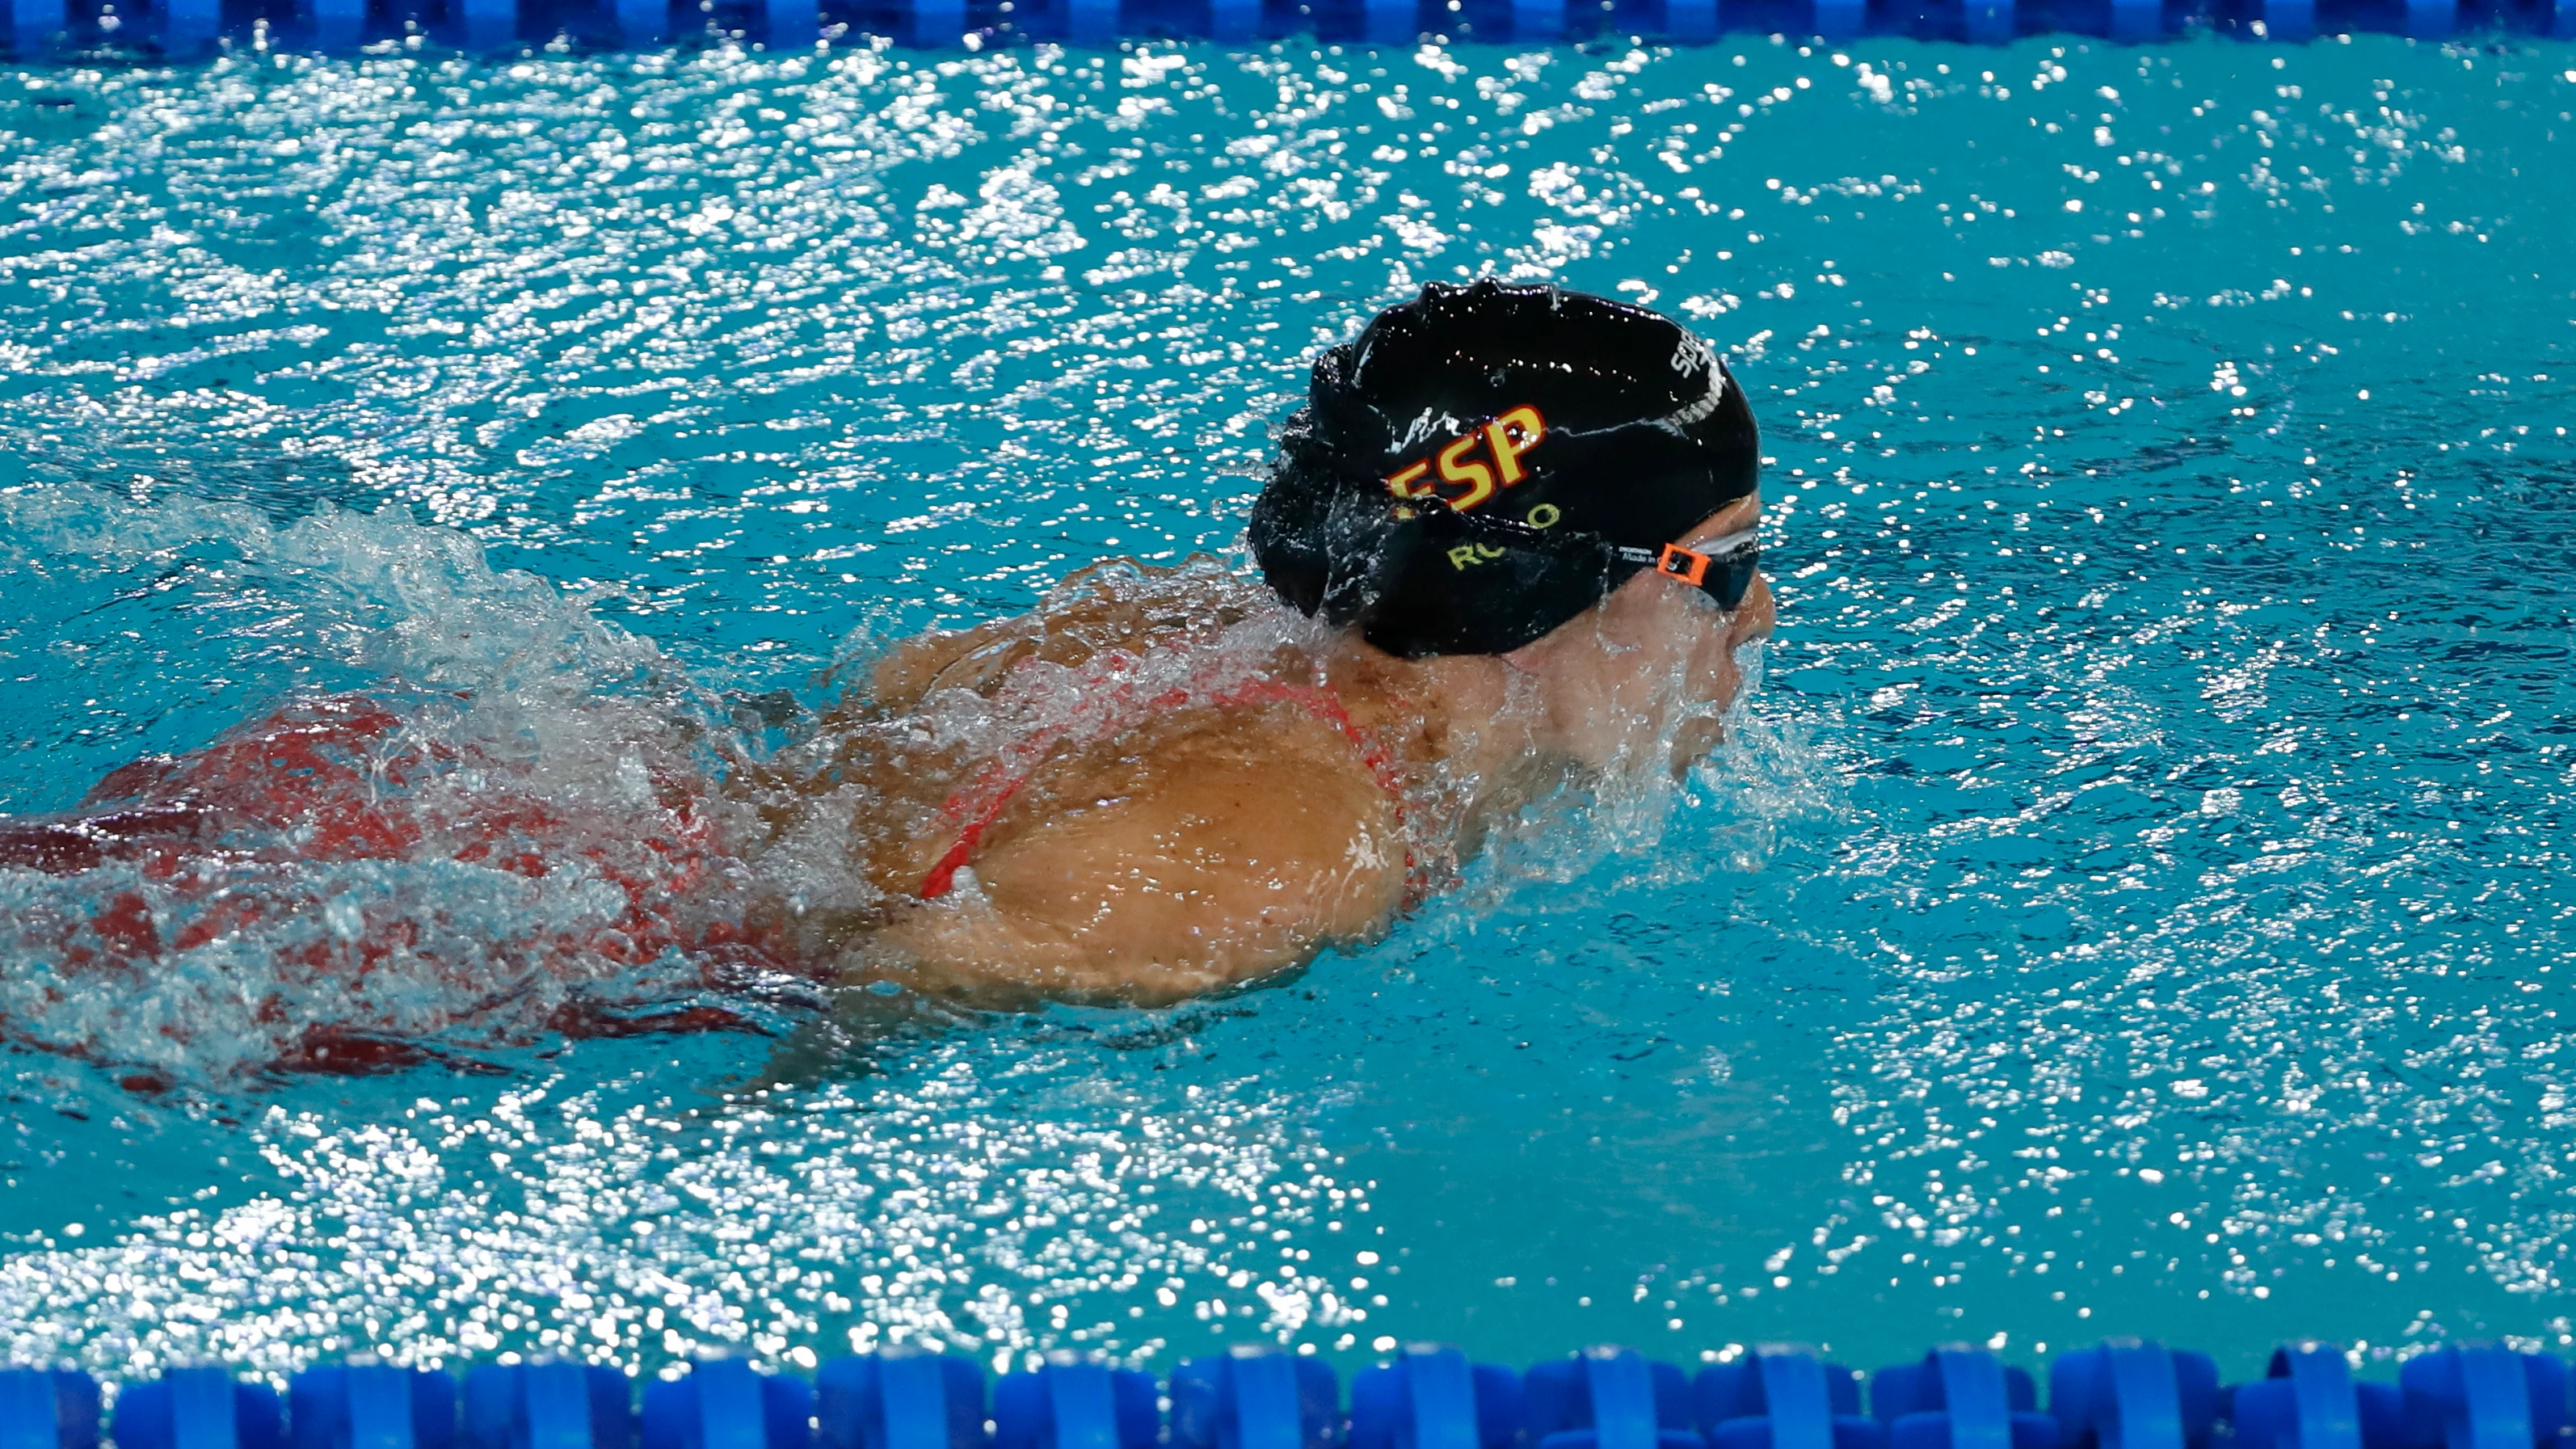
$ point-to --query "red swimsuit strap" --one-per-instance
(995, 791)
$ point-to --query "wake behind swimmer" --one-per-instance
(1512, 530)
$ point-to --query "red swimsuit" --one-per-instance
(268, 837)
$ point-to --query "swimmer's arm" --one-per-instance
(911, 669)
(1194, 872)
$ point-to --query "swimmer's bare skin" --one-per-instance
(1216, 849)
(1218, 846)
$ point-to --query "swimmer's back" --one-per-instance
(1151, 852)
(1220, 844)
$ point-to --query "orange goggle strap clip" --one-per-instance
(1677, 562)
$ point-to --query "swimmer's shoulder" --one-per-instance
(1220, 846)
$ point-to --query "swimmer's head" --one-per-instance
(1486, 462)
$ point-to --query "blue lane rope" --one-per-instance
(188, 28)
(2122, 1394)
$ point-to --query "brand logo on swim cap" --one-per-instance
(1466, 478)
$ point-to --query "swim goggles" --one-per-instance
(1724, 570)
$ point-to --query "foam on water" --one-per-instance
(2131, 904)
(504, 720)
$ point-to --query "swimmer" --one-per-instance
(1506, 550)
(1517, 525)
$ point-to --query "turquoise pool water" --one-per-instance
(2132, 903)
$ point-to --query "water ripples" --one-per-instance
(2133, 904)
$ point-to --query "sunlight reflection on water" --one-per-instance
(2132, 906)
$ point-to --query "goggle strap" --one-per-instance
(1689, 565)
(1733, 557)
(1723, 570)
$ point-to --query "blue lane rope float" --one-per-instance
(1990, 22)
(2485, 1396)
(1072, 1402)
(199, 1407)
(2308, 1399)
(2431, 19)
(1607, 1398)
(339, 25)
(48, 1409)
(1779, 1397)
(2121, 1394)
(1255, 1398)
(2292, 21)
(1962, 1398)
(188, 27)
(547, 1406)
(364, 1405)
(900, 1399)
(726, 1404)
(2130, 1394)
(643, 23)
(936, 23)
(1431, 1397)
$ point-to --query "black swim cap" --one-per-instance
(1485, 462)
